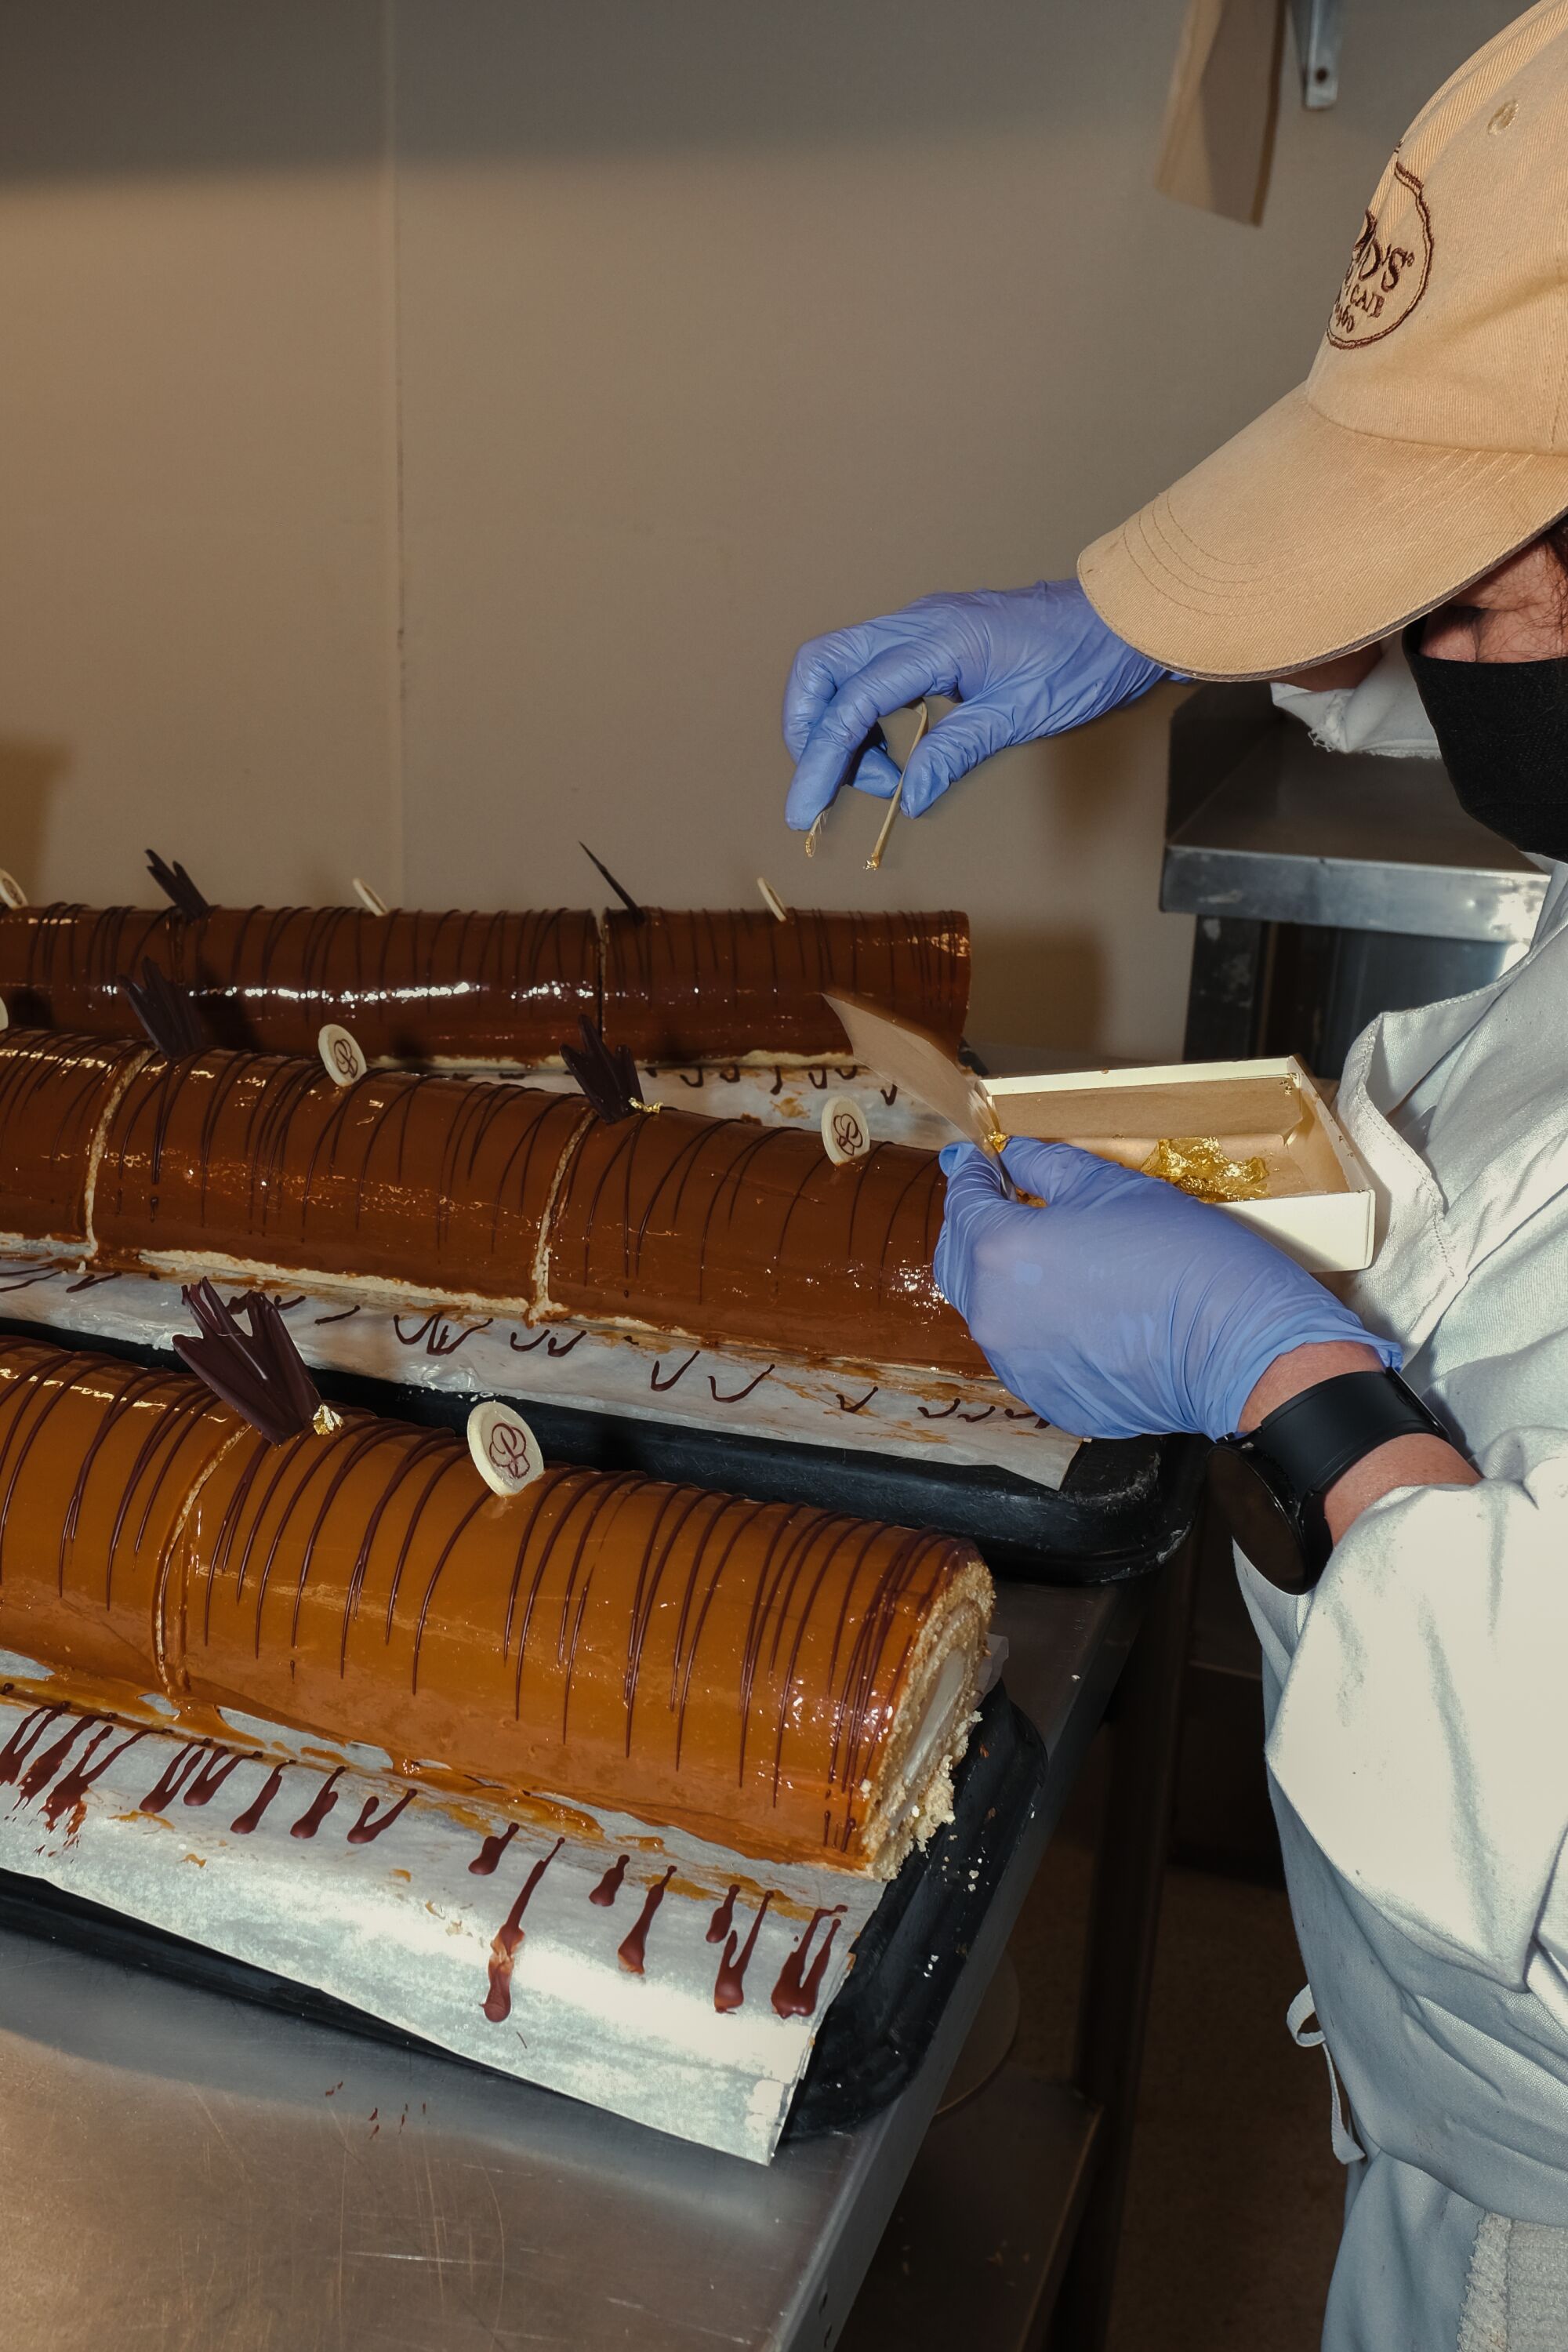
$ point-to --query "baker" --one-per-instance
(1415, 1679)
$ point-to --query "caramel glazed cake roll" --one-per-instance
(428, 1189)
(501, 990)
(790, 1682)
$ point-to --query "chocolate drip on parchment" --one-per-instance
(485, 1862)
(633, 1952)
(508, 1936)
(795, 1994)
(730, 1986)
(245, 1824)
(609, 1886)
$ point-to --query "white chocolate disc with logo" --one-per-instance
(11, 889)
(371, 900)
(5, 1016)
(844, 1134)
(505, 1450)
(341, 1055)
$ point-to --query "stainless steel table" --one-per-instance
(178, 2170)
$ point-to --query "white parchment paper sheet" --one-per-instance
(958, 1422)
(780, 1094)
(404, 1928)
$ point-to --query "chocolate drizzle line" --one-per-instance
(609, 1886)
(795, 1994)
(508, 1936)
(68, 1795)
(723, 1918)
(319, 1806)
(197, 1771)
(369, 1827)
(177, 887)
(251, 1819)
(730, 1985)
(18, 1762)
(633, 1952)
(484, 1863)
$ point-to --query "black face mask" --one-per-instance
(1502, 728)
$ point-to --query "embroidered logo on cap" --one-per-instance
(1389, 266)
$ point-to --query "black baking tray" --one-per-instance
(1124, 1506)
(873, 2038)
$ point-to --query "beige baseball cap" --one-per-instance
(1430, 439)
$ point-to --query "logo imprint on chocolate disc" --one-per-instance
(1389, 265)
(508, 1449)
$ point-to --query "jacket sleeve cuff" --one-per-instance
(1420, 1734)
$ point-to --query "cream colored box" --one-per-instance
(1320, 1206)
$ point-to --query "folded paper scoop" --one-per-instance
(791, 1683)
(903, 1056)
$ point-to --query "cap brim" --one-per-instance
(1300, 540)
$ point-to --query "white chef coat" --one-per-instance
(1383, 714)
(1417, 1701)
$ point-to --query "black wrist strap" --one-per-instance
(1314, 1438)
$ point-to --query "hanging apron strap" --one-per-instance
(1345, 2145)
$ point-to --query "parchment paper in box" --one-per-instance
(299, 1858)
(1321, 1206)
(961, 1422)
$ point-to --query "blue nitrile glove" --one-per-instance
(1022, 662)
(1124, 1309)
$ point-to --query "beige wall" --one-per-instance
(426, 427)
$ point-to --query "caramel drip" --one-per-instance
(484, 1863)
(795, 1994)
(730, 1986)
(633, 1952)
(509, 1937)
(609, 1886)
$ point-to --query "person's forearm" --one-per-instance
(1403, 1462)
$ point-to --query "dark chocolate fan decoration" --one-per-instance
(166, 1012)
(638, 914)
(607, 1074)
(177, 887)
(260, 1371)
